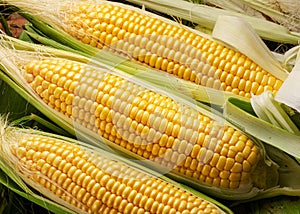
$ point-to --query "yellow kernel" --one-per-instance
(237, 167)
(252, 158)
(271, 81)
(254, 87)
(239, 157)
(216, 181)
(234, 184)
(224, 183)
(277, 84)
(234, 176)
(214, 159)
(224, 151)
(229, 163)
(206, 170)
(259, 77)
(235, 82)
(248, 85)
(214, 173)
(246, 166)
(221, 163)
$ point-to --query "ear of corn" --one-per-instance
(167, 47)
(181, 138)
(79, 178)
(163, 45)
(144, 122)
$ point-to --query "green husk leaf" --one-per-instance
(24, 37)
(278, 205)
(5, 25)
(11, 101)
(43, 122)
(207, 16)
(32, 33)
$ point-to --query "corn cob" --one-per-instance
(147, 123)
(166, 46)
(87, 182)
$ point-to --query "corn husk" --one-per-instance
(284, 12)
(289, 91)
(271, 111)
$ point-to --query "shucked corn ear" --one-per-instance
(86, 182)
(159, 43)
(151, 125)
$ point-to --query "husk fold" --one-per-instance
(289, 91)
(271, 111)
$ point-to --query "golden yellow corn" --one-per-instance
(168, 47)
(91, 183)
(147, 123)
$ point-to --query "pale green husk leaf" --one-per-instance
(284, 12)
(271, 111)
(207, 16)
(289, 91)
